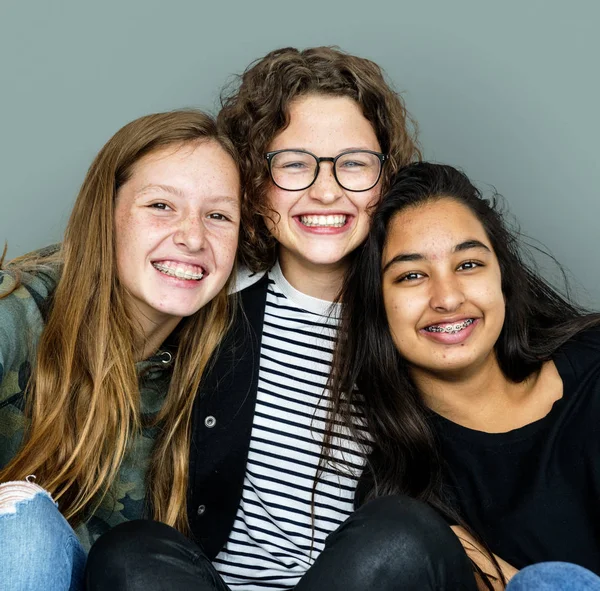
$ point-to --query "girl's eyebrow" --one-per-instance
(403, 257)
(165, 188)
(415, 256)
(468, 244)
(229, 199)
(179, 193)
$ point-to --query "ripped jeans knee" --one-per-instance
(19, 491)
(38, 549)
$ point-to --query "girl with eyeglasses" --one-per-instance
(272, 501)
(479, 383)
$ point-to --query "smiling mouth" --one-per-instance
(323, 221)
(180, 270)
(450, 328)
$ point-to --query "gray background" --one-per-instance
(508, 90)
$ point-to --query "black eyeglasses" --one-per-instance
(354, 170)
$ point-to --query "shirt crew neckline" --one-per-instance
(525, 432)
(302, 300)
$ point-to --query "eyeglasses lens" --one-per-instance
(355, 171)
(293, 170)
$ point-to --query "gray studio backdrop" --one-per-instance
(509, 91)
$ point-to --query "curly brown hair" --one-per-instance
(255, 108)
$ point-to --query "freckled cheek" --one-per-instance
(225, 246)
(279, 206)
(369, 201)
(362, 227)
(126, 234)
(136, 239)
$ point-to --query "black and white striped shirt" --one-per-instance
(271, 545)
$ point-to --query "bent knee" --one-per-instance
(398, 542)
(552, 576)
(27, 507)
(130, 539)
(18, 491)
(398, 516)
(135, 550)
(405, 531)
(30, 519)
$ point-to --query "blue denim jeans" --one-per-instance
(554, 576)
(38, 548)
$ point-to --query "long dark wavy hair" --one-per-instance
(370, 375)
(255, 108)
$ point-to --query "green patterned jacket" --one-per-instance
(21, 323)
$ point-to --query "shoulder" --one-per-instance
(38, 283)
(586, 342)
(25, 293)
(581, 352)
(244, 278)
(23, 298)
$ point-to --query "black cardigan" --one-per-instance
(222, 424)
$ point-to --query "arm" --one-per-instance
(20, 327)
(480, 557)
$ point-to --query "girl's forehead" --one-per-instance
(318, 123)
(434, 228)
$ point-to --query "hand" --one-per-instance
(481, 558)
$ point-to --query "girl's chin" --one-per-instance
(169, 311)
(451, 368)
(315, 258)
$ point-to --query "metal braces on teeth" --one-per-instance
(179, 275)
(452, 328)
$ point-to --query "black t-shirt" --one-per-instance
(534, 493)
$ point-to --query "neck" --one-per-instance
(323, 282)
(152, 335)
(483, 399)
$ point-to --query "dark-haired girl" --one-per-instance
(480, 384)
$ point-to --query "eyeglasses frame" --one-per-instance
(382, 158)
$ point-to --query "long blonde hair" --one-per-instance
(83, 396)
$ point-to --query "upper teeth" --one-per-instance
(180, 270)
(336, 221)
(451, 327)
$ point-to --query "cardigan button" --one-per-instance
(201, 509)
(210, 421)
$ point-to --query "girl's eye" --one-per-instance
(294, 166)
(160, 205)
(410, 277)
(352, 164)
(468, 265)
(218, 216)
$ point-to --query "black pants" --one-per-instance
(392, 543)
